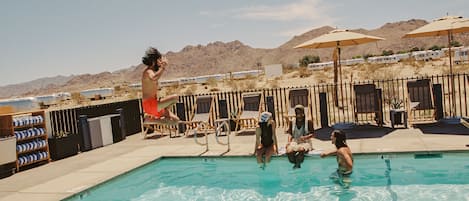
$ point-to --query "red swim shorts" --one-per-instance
(150, 106)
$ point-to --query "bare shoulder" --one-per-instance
(343, 150)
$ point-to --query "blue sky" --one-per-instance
(63, 37)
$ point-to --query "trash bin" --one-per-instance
(84, 130)
(118, 126)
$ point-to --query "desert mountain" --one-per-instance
(219, 57)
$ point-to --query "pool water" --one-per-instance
(443, 176)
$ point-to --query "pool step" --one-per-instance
(428, 155)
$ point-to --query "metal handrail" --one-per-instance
(204, 127)
(223, 123)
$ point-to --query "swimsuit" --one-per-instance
(150, 106)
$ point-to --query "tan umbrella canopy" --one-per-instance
(338, 38)
(444, 26)
(440, 27)
(461, 26)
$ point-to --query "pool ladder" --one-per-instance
(222, 127)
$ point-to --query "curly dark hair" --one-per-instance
(151, 55)
(340, 138)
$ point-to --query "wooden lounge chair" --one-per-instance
(201, 116)
(250, 109)
(420, 100)
(368, 101)
(297, 97)
(151, 126)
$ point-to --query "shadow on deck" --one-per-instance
(357, 132)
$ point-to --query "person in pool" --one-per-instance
(342, 152)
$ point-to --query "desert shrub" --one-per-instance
(304, 72)
(387, 52)
(309, 59)
(435, 47)
(455, 43)
(367, 55)
(416, 49)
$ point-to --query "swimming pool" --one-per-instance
(409, 176)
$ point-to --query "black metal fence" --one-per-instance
(67, 120)
(326, 108)
(341, 108)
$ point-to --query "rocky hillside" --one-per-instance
(219, 57)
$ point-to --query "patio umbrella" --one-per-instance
(445, 26)
(337, 39)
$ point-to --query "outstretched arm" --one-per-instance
(258, 144)
(324, 154)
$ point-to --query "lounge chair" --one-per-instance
(368, 101)
(420, 100)
(151, 125)
(297, 97)
(250, 109)
(201, 116)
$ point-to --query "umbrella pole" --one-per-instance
(340, 82)
(336, 98)
(452, 110)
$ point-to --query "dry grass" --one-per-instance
(288, 69)
(461, 68)
(173, 89)
(233, 84)
(191, 90)
(321, 77)
(273, 83)
(384, 74)
(304, 72)
(249, 84)
(212, 82)
(77, 97)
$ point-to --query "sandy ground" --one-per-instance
(302, 77)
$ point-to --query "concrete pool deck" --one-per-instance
(59, 179)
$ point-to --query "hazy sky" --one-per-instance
(45, 38)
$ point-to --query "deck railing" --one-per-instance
(340, 109)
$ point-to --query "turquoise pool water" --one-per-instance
(443, 176)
